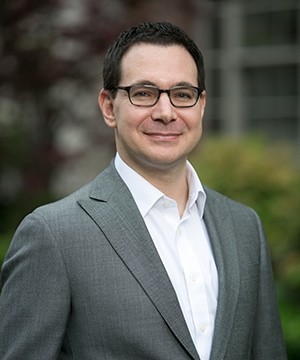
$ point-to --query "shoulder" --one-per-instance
(65, 206)
(236, 222)
(225, 204)
(68, 210)
(99, 188)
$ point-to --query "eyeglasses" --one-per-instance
(148, 95)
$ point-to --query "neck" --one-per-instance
(173, 183)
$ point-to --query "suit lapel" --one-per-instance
(113, 209)
(220, 229)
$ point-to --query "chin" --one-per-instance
(165, 161)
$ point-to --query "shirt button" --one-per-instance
(202, 328)
(179, 232)
(193, 277)
(167, 203)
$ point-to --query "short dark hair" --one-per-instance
(159, 33)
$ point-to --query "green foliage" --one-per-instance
(264, 177)
(4, 244)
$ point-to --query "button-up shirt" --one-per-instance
(184, 247)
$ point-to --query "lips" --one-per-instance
(163, 136)
(163, 132)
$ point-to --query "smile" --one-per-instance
(163, 136)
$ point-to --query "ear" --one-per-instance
(106, 105)
(203, 102)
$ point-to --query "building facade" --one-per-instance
(253, 68)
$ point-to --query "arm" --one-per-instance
(35, 297)
(268, 339)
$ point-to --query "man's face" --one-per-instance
(161, 136)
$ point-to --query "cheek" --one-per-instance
(194, 122)
(131, 119)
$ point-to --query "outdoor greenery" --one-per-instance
(266, 178)
(4, 243)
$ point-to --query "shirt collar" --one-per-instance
(196, 191)
(146, 195)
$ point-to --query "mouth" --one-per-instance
(163, 136)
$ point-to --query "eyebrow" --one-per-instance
(147, 82)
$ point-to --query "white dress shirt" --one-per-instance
(184, 248)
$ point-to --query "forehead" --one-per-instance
(158, 64)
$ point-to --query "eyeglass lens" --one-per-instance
(180, 96)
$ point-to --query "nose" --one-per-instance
(163, 110)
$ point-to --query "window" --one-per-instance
(279, 27)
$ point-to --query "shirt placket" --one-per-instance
(195, 286)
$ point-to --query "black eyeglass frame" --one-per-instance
(160, 91)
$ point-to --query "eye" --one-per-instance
(142, 92)
(183, 94)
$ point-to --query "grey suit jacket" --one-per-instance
(82, 280)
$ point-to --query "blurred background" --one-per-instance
(53, 139)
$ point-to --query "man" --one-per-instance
(143, 262)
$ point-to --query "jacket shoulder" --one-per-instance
(215, 198)
(101, 185)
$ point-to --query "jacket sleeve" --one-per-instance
(268, 340)
(35, 297)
